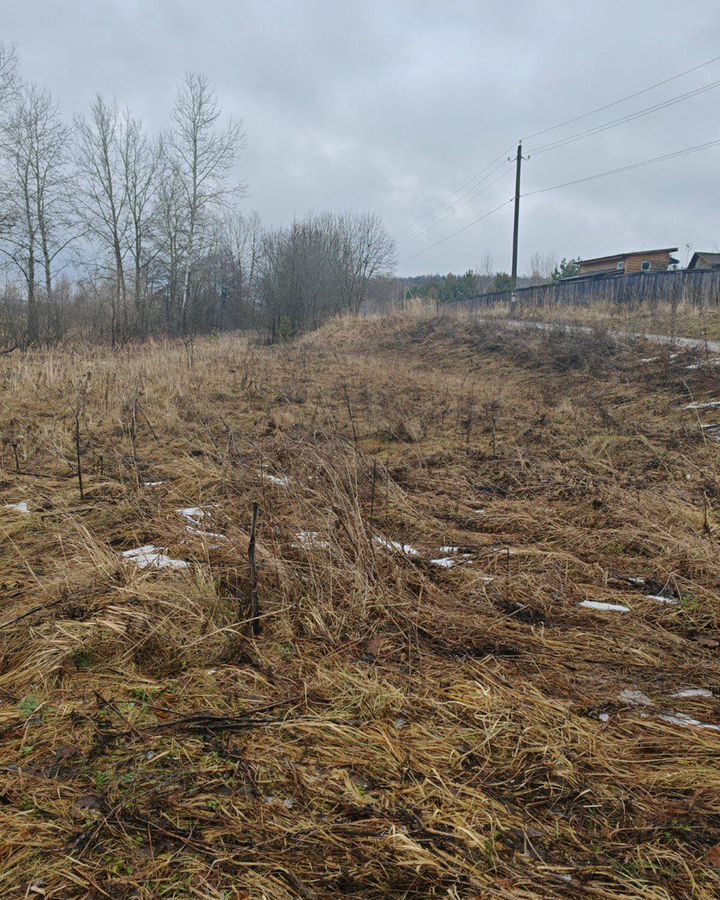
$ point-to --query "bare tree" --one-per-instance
(202, 151)
(40, 227)
(103, 195)
(170, 239)
(8, 76)
(368, 251)
(141, 164)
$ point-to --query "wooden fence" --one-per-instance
(697, 287)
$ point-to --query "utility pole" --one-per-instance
(516, 223)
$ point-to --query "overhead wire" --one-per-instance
(627, 168)
(506, 171)
(620, 100)
(467, 191)
(646, 162)
(468, 186)
(464, 228)
(630, 117)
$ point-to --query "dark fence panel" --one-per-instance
(698, 287)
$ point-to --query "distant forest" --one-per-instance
(111, 233)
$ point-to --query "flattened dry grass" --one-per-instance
(400, 728)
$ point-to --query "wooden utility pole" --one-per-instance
(516, 223)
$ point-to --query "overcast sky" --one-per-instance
(391, 105)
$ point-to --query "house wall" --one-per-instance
(605, 265)
(633, 263)
(660, 261)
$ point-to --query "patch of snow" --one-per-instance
(282, 480)
(711, 404)
(312, 539)
(151, 557)
(447, 562)
(711, 362)
(650, 359)
(669, 601)
(21, 507)
(394, 545)
(604, 607)
(152, 483)
(693, 692)
(192, 513)
(635, 698)
(197, 532)
(604, 717)
(638, 582)
(687, 721)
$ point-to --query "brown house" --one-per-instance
(704, 261)
(626, 263)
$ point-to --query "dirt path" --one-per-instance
(690, 343)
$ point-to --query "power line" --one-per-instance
(468, 184)
(464, 228)
(451, 212)
(553, 145)
(646, 162)
(622, 99)
(628, 168)
(465, 192)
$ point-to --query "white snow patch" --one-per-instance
(447, 562)
(638, 582)
(650, 359)
(282, 480)
(604, 717)
(687, 721)
(693, 692)
(21, 507)
(152, 483)
(312, 539)
(668, 601)
(192, 513)
(211, 535)
(711, 404)
(394, 545)
(604, 607)
(151, 557)
(635, 698)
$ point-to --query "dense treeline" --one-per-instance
(111, 233)
(453, 288)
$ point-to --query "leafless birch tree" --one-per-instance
(202, 150)
(103, 196)
(36, 194)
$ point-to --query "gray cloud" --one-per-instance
(392, 106)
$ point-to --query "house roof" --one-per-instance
(706, 260)
(617, 256)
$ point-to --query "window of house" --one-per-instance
(646, 265)
(621, 266)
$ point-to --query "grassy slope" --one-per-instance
(399, 729)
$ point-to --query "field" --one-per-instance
(427, 709)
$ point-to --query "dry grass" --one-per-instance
(685, 320)
(399, 729)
